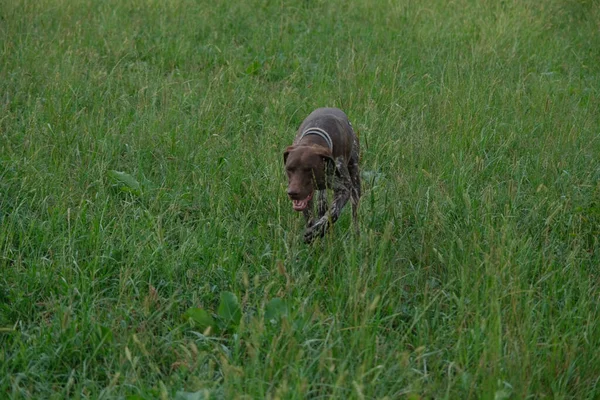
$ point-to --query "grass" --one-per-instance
(476, 274)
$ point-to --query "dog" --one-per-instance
(324, 155)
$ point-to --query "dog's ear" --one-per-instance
(329, 165)
(287, 152)
(327, 159)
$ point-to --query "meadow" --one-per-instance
(148, 249)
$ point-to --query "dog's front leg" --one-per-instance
(308, 214)
(322, 203)
(341, 193)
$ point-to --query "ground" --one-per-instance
(148, 250)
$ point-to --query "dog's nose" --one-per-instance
(292, 192)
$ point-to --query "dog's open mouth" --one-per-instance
(300, 205)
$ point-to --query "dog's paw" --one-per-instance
(310, 235)
(318, 229)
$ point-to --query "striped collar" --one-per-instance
(321, 133)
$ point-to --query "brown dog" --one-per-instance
(324, 156)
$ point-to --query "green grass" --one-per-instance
(477, 272)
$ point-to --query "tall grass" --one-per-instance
(476, 274)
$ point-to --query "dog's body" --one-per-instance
(324, 155)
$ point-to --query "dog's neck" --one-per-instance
(318, 133)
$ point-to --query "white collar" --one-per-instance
(321, 133)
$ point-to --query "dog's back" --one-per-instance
(336, 123)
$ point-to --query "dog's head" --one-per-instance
(307, 168)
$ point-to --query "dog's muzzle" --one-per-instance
(300, 205)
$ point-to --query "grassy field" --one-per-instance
(148, 250)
